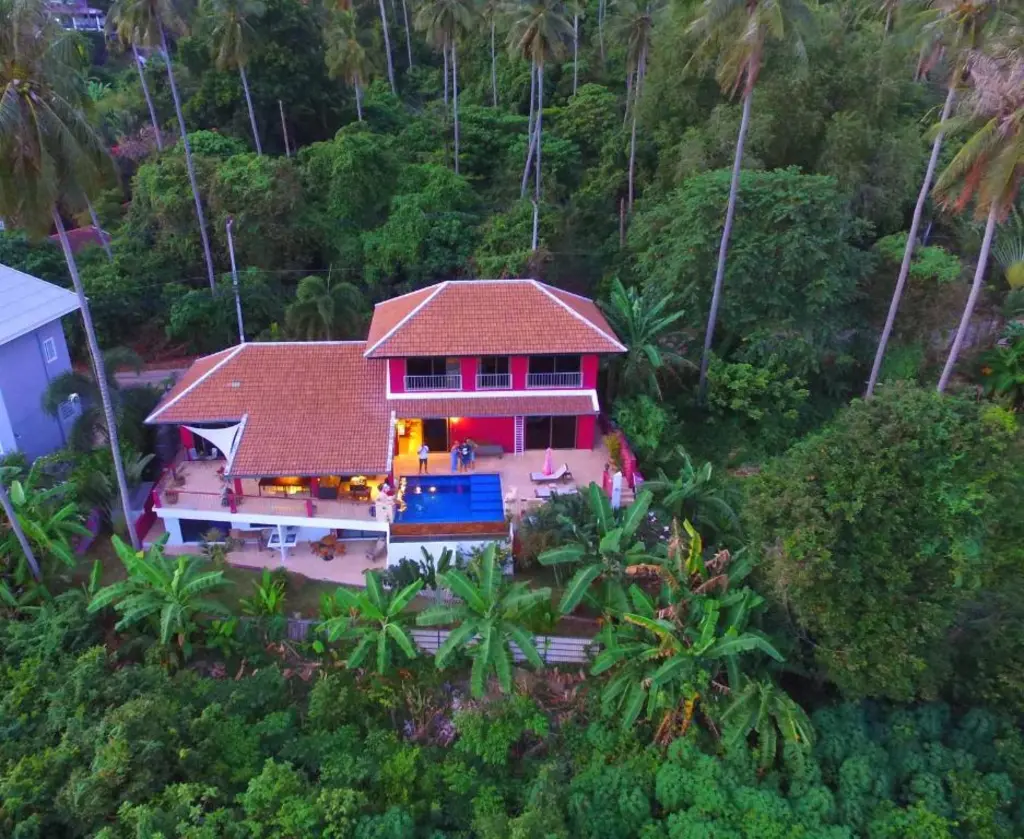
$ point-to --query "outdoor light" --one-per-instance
(433, 489)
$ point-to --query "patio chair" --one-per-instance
(562, 473)
(375, 550)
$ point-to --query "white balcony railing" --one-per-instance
(493, 381)
(554, 380)
(447, 381)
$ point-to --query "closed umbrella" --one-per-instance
(549, 461)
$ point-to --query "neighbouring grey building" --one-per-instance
(32, 353)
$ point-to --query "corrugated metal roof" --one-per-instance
(26, 303)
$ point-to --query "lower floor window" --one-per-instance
(554, 432)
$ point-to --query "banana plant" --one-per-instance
(764, 709)
(488, 621)
(656, 665)
(604, 549)
(168, 593)
(376, 620)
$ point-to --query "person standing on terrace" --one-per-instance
(424, 453)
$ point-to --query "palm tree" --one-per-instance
(737, 34)
(577, 8)
(231, 39)
(49, 154)
(170, 593)
(488, 621)
(444, 22)
(538, 33)
(644, 322)
(987, 168)
(346, 57)
(490, 13)
(764, 709)
(158, 135)
(325, 310)
(604, 549)
(146, 23)
(387, 48)
(376, 620)
(692, 495)
(83, 388)
(954, 28)
(635, 27)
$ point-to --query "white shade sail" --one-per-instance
(223, 438)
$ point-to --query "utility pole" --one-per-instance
(284, 129)
(234, 280)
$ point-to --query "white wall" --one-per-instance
(397, 551)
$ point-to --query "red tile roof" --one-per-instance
(81, 237)
(489, 317)
(494, 406)
(309, 408)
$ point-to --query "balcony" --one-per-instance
(554, 380)
(493, 381)
(447, 381)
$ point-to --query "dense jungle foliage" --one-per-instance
(809, 620)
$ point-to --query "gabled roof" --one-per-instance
(81, 237)
(26, 303)
(489, 317)
(312, 408)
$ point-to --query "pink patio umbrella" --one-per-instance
(549, 461)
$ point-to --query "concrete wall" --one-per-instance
(585, 430)
(397, 551)
(24, 375)
(396, 370)
(7, 442)
(588, 366)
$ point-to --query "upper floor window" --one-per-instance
(493, 373)
(50, 350)
(555, 371)
(433, 373)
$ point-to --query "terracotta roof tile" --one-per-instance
(309, 408)
(490, 317)
(494, 406)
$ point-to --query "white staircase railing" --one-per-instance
(520, 435)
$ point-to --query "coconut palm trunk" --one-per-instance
(252, 113)
(101, 379)
(19, 534)
(408, 34)
(575, 52)
(972, 298)
(537, 131)
(530, 131)
(494, 69)
(149, 99)
(387, 47)
(908, 251)
(723, 247)
(455, 101)
(600, 26)
(359, 101)
(444, 57)
(188, 162)
(99, 230)
(640, 70)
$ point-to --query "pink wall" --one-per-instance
(396, 366)
(498, 430)
(585, 431)
(589, 368)
(468, 369)
(519, 366)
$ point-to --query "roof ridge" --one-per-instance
(409, 293)
(550, 287)
(408, 317)
(300, 343)
(202, 378)
(546, 290)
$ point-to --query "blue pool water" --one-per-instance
(445, 498)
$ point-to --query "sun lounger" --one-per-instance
(562, 473)
(548, 492)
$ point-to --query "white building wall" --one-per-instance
(397, 551)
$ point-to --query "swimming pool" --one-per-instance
(447, 498)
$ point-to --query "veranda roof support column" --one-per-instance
(280, 541)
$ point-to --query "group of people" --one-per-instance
(463, 456)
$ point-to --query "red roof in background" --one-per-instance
(569, 404)
(309, 408)
(82, 237)
(489, 317)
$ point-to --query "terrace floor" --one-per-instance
(587, 465)
(203, 486)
